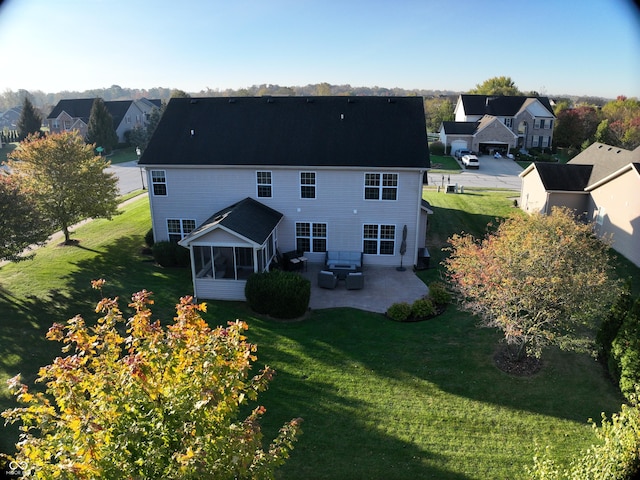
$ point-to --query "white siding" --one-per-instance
(199, 192)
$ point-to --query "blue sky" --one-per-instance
(555, 47)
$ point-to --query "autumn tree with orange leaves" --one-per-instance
(540, 279)
(156, 402)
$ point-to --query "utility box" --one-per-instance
(423, 259)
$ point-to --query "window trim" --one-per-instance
(270, 184)
(312, 237)
(380, 185)
(183, 232)
(313, 185)
(155, 183)
(379, 239)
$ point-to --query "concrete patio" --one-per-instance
(383, 286)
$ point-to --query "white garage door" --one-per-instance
(458, 145)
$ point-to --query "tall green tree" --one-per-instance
(437, 110)
(623, 127)
(100, 130)
(161, 402)
(30, 120)
(21, 224)
(496, 86)
(65, 179)
(540, 279)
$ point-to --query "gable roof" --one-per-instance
(563, 177)
(81, 108)
(248, 218)
(291, 131)
(499, 106)
(605, 159)
(459, 128)
(76, 108)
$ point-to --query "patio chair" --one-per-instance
(327, 279)
(355, 281)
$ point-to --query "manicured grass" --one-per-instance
(380, 399)
(443, 164)
(122, 155)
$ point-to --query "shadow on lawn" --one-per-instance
(336, 441)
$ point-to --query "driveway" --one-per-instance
(493, 173)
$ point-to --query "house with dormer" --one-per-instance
(73, 114)
(600, 184)
(485, 123)
(237, 180)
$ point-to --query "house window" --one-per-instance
(307, 185)
(508, 122)
(67, 124)
(128, 118)
(56, 124)
(178, 228)
(379, 239)
(311, 237)
(550, 124)
(535, 141)
(544, 141)
(263, 180)
(159, 182)
(380, 186)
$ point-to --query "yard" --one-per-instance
(379, 399)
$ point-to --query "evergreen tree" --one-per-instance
(100, 130)
(30, 120)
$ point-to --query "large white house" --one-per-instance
(236, 180)
(485, 123)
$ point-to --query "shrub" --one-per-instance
(438, 293)
(400, 312)
(279, 294)
(148, 238)
(625, 351)
(614, 457)
(436, 148)
(169, 254)
(422, 308)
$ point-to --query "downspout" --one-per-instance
(416, 245)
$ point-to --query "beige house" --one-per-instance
(486, 123)
(601, 184)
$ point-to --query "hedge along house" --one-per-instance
(235, 180)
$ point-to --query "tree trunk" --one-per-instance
(67, 235)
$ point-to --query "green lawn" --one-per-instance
(379, 399)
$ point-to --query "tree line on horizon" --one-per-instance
(580, 120)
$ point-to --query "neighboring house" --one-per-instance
(73, 114)
(601, 184)
(237, 180)
(485, 123)
(9, 119)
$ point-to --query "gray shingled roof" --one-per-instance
(292, 131)
(605, 159)
(249, 218)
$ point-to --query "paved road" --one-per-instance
(493, 173)
(129, 177)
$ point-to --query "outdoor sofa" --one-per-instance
(343, 262)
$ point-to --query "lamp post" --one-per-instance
(138, 153)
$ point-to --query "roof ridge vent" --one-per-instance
(232, 100)
(193, 101)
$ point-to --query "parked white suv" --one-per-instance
(470, 161)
